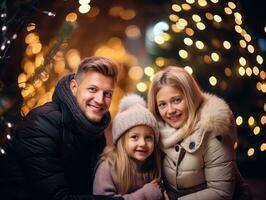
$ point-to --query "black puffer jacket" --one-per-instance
(49, 159)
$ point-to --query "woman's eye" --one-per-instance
(177, 100)
(161, 105)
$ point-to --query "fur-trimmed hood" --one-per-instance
(215, 118)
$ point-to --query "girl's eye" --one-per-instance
(134, 137)
(150, 137)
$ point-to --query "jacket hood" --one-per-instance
(215, 117)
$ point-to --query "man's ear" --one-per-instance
(73, 86)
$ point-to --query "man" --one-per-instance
(54, 151)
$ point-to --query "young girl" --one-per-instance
(131, 168)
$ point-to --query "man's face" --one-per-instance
(93, 94)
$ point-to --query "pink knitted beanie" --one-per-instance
(132, 112)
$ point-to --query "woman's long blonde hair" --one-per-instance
(125, 167)
(180, 79)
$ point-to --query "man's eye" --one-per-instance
(92, 89)
(108, 94)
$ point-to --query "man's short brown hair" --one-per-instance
(102, 65)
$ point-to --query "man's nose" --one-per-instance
(99, 97)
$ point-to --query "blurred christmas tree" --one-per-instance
(211, 41)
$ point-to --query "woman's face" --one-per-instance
(172, 106)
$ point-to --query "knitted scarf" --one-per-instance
(63, 95)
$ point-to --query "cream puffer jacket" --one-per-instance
(207, 158)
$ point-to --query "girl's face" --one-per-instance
(172, 106)
(139, 142)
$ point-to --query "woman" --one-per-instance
(197, 135)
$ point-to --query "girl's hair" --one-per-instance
(180, 79)
(125, 167)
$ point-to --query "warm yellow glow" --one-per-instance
(160, 61)
(173, 18)
(232, 5)
(256, 70)
(256, 130)
(263, 87)
(59, 66)
(239, 22)
(251, 48)
(209, 16)
(226, 44)
(142, 87)
(241, 71)
(215, 57)
(264, 107)
(176, 8)
(133, 32)
(32, 38)
(217, 18)
(183, 22)
(190, 1)
(71, 17)
(242, 61)
(94, 11)
(228, 71)
(84, 1)
(188, 69)
(189, 31)
(239, 120)
(251, 152)
(29, 67)
(212, 80)
(235, 145)
(207, 59)
(196, 18)
(183, 53)
(262, 75)
(175, 28)
(238, 16)
(249, 71)
(127, 14)
(159, 39)
(214, 1)
(243, 43)
(263, 147)
(22, 78)
(31, 26)
(39, 59)
(73, 58)
(202, 3)
(135, 73)
(251, 121)
(84, 8)
(259, 59)
(263, 120)
(238, 29)
(188, 41)
(247, 37)
(115, 11)
(258, 86)
(199, 44)
(186, 6)
(149, 71)
(200, 26)
(228, 11)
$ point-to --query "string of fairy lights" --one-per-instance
(188, 20)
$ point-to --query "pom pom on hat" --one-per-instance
(130, 100)
(133, 112)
